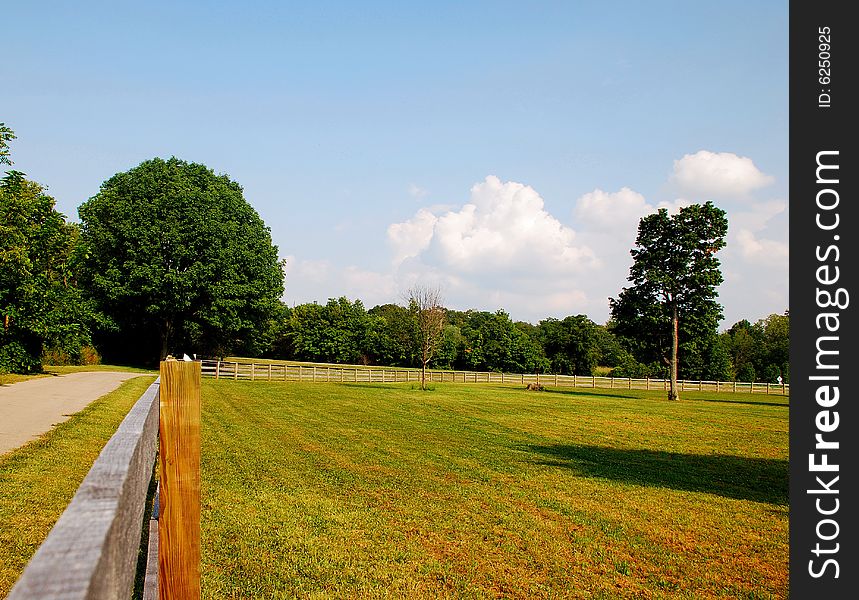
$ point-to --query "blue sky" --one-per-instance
(504, 151)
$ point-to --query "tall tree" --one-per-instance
(40, 305)
(174, 249)
(674, 276)
(425, 304)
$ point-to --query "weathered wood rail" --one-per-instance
(92, 551)
(326, 373)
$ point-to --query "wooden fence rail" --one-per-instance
(269, 371)
(91, 553)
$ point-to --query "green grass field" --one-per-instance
(479, 491)
(37, 481)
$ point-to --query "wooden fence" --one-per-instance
(91, 553)
(326, 373)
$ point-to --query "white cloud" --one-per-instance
(313, 271)
(762, 251)
(318, 280)
(504, 228)
(721, 175)
(411, 237)
(755, 216)
(501, 248)
(604, 211)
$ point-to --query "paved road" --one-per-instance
(30, 408)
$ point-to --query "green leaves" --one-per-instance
(175, 249)
(675, 271)
(6, 136)
(40, 305)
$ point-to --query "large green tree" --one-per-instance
(674, 277)
(40, 305)
(760, 351)
(493, 342)
(571, 344)
(337, 332)
(175, 253)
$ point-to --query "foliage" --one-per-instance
(571, 345)
(672, 299)
(392, 336)
(6, 136)
(336, 332)
(174, 249)
(760, 352)
(40, 305)
(493, 342)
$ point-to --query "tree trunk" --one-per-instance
(423, 375)
(166, 338)
(675, 335)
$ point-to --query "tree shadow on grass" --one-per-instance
(755, 479)
(590, 392)
(749, 402)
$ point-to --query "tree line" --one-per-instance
(170, 257)
(344, 331)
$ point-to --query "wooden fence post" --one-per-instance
(179, 477)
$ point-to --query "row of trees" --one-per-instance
(344, 331)
(169, 256)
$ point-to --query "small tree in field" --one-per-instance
(674, 278)
(425, 305)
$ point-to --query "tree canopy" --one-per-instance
(176, 258)
(674, 277)
(40, 305)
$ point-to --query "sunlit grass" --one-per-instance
(485, 491)
(37, 481)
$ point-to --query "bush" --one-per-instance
(85, 355)
(16, 358)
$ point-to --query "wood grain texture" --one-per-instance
(179, 478)
(150, 580)
(91, 553)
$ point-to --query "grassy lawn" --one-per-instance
(485, 491)
(37, 481)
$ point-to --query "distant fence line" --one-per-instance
(267, 371)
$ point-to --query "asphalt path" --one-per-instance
(30, 408)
